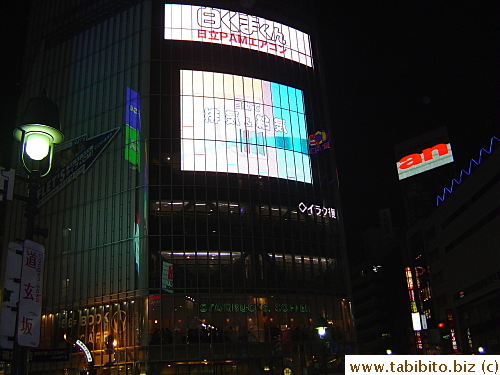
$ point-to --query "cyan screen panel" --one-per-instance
(237, 124)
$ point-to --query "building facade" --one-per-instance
(380, 296)
(456, 266)
(193, 209)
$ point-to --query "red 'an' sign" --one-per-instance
(430, 158)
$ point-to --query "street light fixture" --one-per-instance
(38, 133)
(321, 325)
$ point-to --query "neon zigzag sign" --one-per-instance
(463, 172)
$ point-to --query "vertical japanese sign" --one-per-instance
(132, 127)
(167, 277)
(30, 298)
(453, 335)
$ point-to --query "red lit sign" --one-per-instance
(430, 158)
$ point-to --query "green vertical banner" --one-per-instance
(132, 127)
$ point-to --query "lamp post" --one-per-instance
(321, 325)
(38, 133)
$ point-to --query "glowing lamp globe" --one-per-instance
(37, 145)
(38, 132)
(321, 331)
(321, 325)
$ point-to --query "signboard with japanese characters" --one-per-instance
(30, 297)
(317, 210)
(237, 124)
(220, 26)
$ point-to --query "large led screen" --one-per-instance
(238, 124)
(211, 25)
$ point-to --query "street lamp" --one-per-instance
(321, 325)
(38, 132)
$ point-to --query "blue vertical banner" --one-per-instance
(132, 127)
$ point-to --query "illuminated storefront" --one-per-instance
(206, 235)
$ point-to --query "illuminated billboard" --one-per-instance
(423, 153)
(132, 126)
(211, 25)
(238, 124)
(428, 159)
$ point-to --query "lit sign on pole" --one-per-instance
(430, 158)
(30, 298)
(236, 124)
(211, 25)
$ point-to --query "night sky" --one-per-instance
(395, 69)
